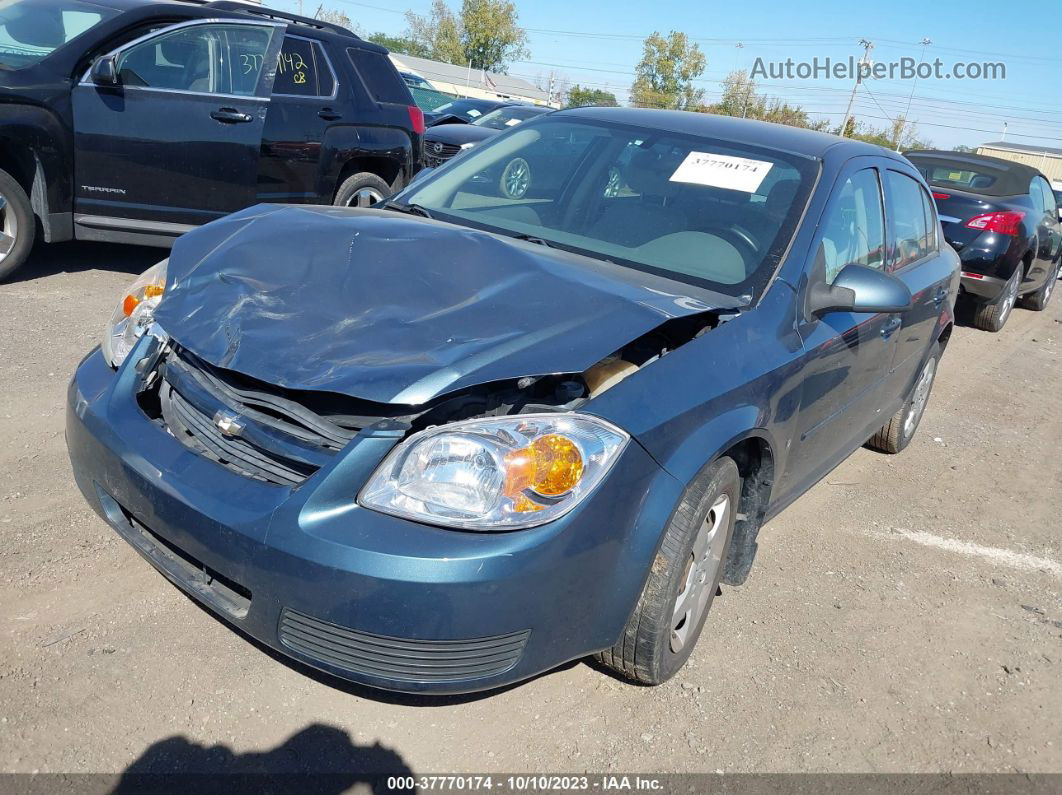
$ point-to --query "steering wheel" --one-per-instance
(740, 238)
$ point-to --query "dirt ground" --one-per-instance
(905, 615)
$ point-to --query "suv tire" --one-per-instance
(898, 432)
(362, 190)
(683, 580)
(993, 316)
(18, 226)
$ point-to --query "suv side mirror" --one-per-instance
(105, 71)
(858, 288)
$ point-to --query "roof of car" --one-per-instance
(798, 140)
(241, 8)
(1013, 177)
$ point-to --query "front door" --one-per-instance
(176, 141)
(848, 354)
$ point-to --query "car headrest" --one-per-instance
(183, 50)
(781, 196)
(649, 173)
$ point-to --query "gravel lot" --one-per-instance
(905, 615)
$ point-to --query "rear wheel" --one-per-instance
(683, 581)
(1037, 301)
(993, 316)
(18, 227)
(362, 190)
(898, 432)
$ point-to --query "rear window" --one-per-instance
(302, 70)
(31, 30)
(380, 76)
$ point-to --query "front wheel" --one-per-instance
(898, 432)
(18, 227)
(1037, 301)
(683, 580)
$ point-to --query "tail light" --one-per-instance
(1005, 223)
(416, 118)
(939, 195)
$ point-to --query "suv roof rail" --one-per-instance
(271, 13)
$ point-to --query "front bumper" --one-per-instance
(371, 598)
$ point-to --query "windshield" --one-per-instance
(31, 30)
(466, 109)
(711, 212)
(508, 116)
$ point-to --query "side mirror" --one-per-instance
(858, 288)
(105, 71)
(421, 174)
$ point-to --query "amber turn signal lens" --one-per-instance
(129, 304)
(551, 466)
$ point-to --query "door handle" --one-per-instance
(328, 114)
(890, 326)
(230, 116)
(939, 295)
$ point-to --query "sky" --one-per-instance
(598, 44)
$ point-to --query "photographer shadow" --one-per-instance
(316, 759)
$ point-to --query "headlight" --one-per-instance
(495, 474)
(134, 313)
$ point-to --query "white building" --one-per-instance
(465, 82)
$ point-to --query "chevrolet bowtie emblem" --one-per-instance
(227, 424)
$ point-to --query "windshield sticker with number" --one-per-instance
(722, 171)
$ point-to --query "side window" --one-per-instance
(1047, 199)
(853, 230)
(907, 220)
(932, 224)
(205, 59)
(380, 76)
(302, 69)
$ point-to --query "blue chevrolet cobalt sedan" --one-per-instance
(536, 407)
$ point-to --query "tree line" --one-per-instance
(486, 35)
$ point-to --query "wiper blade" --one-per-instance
(409, 209)
(532, 239)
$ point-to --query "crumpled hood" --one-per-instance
(399, 309)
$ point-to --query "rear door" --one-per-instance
(176, 142)
(915, 256)
(306, 103)
(1049, 238)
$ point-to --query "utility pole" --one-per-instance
(903, 119)
(549, 99)
(748, 93)
(1003, 137)
(867, 47)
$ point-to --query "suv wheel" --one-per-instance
(362, 190)
(1037, 301)
(683, 580)
(18, 227)
(898, 432)
(993, 316)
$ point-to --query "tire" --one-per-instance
(657, 640)
(361, 190)
(18, 226)
(993, 316)
(515, 179)
(1037, 301)
(898, 432)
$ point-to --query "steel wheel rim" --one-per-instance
(8, 227)
(517, 178)
(1050, 284)
(364, 197)
(920, 399)
(700, 573)
(1011, 297)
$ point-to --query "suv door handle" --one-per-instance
(939, 295)
(230, 116)
(328, 114)
(890, 326)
